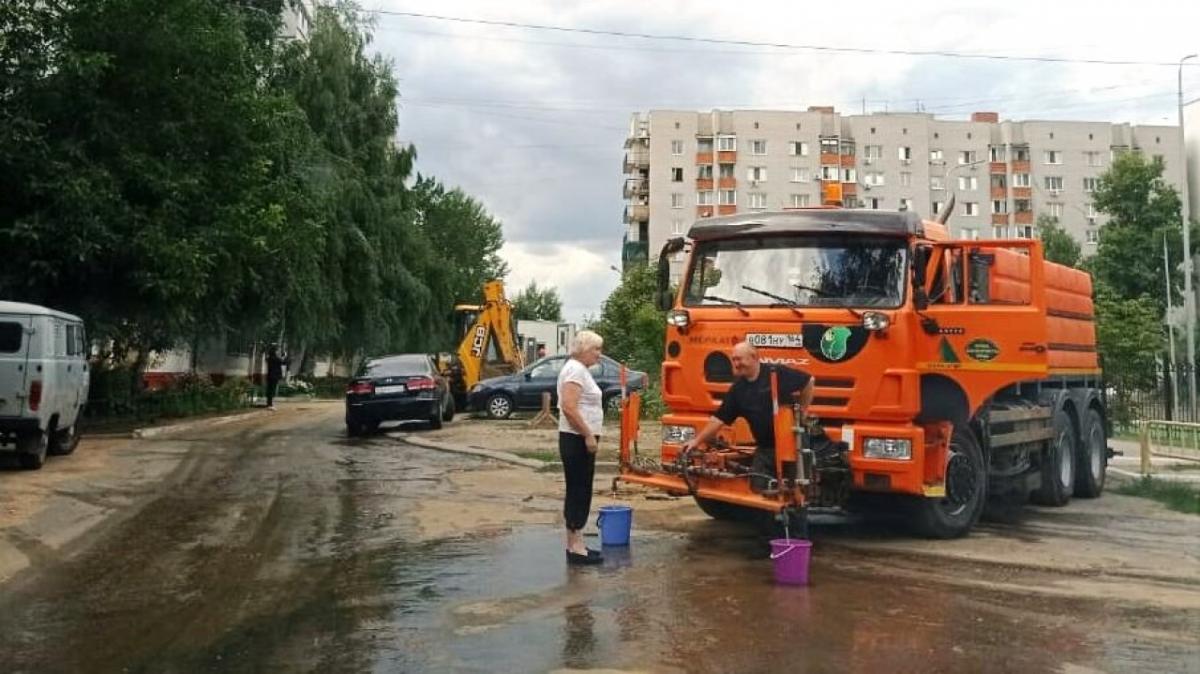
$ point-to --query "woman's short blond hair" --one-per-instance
(584, 340)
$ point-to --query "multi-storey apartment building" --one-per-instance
(682, 165)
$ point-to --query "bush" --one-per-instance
(113, 396)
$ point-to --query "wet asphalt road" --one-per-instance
(285, 547)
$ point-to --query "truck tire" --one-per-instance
(33, 448)
(1092, 463)
(727, 512)
(966, 490)
(64, 442)
(1058, 464)
(499, 406)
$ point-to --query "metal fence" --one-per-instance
(1160, 394)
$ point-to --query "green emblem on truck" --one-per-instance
(833, 342)
(983, 350)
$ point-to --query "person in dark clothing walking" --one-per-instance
(275, 365)
(750, 398)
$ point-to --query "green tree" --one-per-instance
(1057, 244)
(1142, 209)
(632, 326)
(1129, 334)
(538, 304)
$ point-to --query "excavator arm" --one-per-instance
(489, 345)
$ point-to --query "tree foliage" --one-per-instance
(1057, 245)
(538, 304)
(633, 328)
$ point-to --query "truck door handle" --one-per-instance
(1036, 348)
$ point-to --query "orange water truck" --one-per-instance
(947, 372)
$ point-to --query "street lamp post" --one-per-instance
(1189, 302)
(946, 181)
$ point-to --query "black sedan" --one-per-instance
(407, 387)
(500, 396)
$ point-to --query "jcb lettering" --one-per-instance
(480, 339)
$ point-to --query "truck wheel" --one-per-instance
(33, 448)
(499, 406)
(1058, 464)
(720, 510)
(64, 442)
(1092, 465)
(966, 490)
(448, 413)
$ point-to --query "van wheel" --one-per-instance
(954, 514)
(33, 448)
(1092, 464)
(1058, 464)
(64, 442)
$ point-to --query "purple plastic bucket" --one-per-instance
(791, 556)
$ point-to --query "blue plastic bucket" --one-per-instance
(615, 522)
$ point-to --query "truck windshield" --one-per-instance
(806, 271)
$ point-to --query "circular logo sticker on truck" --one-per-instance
(982, 350)
(833, 342)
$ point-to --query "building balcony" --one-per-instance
(727, 183)
(726, 209)
(1019, 166)
(704, 183)
(705, 211)
(727, 157)
(999, 193)
(849, 189)
(636, 158)
(637, 213)
(999, 218)
(635, 253)
(635, 187)
(997, 168)
(846, 160)
(1023, 218)
(830, 159)
(704, 158)
(831, 192)
(1022, 193)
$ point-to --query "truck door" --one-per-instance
(14, 362)
(986, 302)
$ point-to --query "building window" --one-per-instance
(756, 173)
(727, 143)
(970, 208)
(798, 148)
(905, 204)
(758, 147)
(1021, 180)
(996, 153)
(1092, 214)
(704, 145)
(875, 203)
(758, 200)
(799, 200)
(1093, 236)
(829, 173)
(728, 198)
(905, 179)
(1024, 231)
(937, 182)
(1090, 184)
(935, 157)
(800, 174)
(1022, 206)
(1054, 183)
(849, 175)
(704, 198)
(873, 178)
(1052, 156)
(873, 152)
(725, 171)
(1054, 209)
(829, 146)
(676, 200)
(966, 157)
(1094, 158)
(677, 174)
(968, 183)
(1158, 158)
(677, 226)
(677, 147)
(969, 233)
(704, 172)
(999, 206)
(999, 231)
(905, 153)
(936, 207)
(1020, 154)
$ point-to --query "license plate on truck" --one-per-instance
(776, 340)
(384, 390)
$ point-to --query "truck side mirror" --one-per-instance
(663, 298)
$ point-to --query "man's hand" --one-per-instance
(691, 445)
(590, 442)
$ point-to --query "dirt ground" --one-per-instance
(515, 435)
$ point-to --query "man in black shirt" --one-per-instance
(750, 398)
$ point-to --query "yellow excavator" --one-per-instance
(489, 345)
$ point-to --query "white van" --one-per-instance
(43, 381)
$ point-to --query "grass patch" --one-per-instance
(1177, 496)
(541, 456)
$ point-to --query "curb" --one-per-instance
(495, 454)
(155, 431)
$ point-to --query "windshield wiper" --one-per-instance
(724, 300)
(801, 286)
(791, 304)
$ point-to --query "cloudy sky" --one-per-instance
(531, 121)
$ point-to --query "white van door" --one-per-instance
(14, 363)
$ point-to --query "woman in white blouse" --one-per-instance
(580, 421)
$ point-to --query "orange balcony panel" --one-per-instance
(704, 158)
(1022, 192)
(1023, 218)
(831, 192)
(999, 193)
(999, 218)
(705, 211)
(1020, 166)
(726, 210)
(997, 167)
(847, 160)
(829, 159)
(726, 183)
(704, 183)
(726, 157)
(849, 189)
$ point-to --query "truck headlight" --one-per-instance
(677, 435)
(875, 321)
(887, 448)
